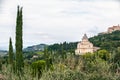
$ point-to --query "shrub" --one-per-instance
(103, 54)
(38, 67)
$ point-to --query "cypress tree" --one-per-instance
(19, 42)
(10, 53)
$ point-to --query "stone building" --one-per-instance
(85, 46)
(111, 29)
(114, 28)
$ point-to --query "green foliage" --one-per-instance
(88, 56)
(28, 55)
(103, 54)
(116, 56)
(97, 65)
(40, 53)
(66, 75)
(11, 54)
(107, 41)
(95, 70)
(68, 47)
(38, 67)
(19, 42)
(115, 61)
(84, 69)
(48, 58)
(96, 61)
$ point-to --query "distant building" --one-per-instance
(111, 29)
(85, 46)
(114, 28)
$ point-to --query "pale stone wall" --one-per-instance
(114, 28)
(84, 46)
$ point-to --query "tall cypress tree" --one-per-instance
(19, 42)
(11, 54)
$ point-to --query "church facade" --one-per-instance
(85, 46)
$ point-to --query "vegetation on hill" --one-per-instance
(58, 62)
(68, 47)
(39, 47)
(109, 41)
(10, 53)
(101, 65)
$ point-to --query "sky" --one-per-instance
(55, 21)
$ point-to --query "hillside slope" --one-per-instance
(107, 41)
(39, 47)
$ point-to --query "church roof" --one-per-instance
(85, 37)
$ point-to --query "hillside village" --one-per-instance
(111, 29)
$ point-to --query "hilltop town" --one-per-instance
(111, 29)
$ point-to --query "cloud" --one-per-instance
(51, 21)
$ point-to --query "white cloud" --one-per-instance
(51, 21)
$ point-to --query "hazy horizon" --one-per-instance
(55, 21)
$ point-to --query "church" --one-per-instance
(85, 46)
